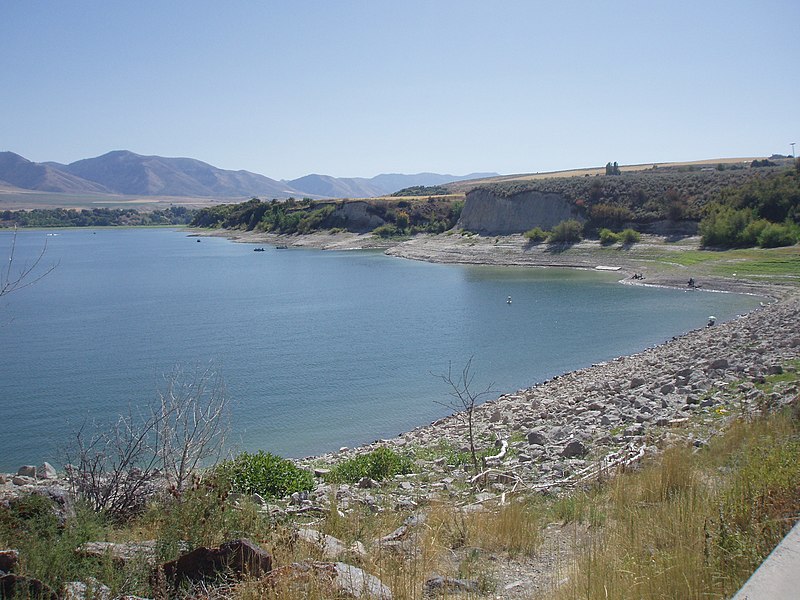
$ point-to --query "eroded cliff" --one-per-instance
(490, 213)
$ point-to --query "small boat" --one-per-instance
(508, 301)
(258, 250)
(282, 247)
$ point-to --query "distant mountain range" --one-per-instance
(123, 172)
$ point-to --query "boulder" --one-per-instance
(27, 471)
(120, 553)
(334, 579)
(637, 382)
(574, 449)
(92, 589)
(240, 557)
(719, 363)
(47, 471)
(332, 548)
(8, 560)
(17, 586)
(358, 583)
(537, 438)
(23, 480)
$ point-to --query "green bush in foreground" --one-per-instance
(266, 474)
(379, 464)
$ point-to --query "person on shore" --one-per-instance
(690, 283)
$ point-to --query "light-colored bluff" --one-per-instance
(489, 213)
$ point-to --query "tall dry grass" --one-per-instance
(694, 525)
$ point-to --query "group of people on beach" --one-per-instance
(637, 276)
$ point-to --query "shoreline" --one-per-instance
(637, 399)
(516, 251)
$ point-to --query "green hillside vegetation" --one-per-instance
(400, 217)
(423, 190)
(96, 217)
(674, 193)
(763, 212)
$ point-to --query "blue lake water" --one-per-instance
(318, 349)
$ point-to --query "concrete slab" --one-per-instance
(778, 577)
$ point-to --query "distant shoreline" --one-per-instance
(515, 250)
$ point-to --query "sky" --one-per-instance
(358, 88)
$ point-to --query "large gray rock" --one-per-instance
(46, 471)
(91, 589)
(27, 471)
(574, 449)
(359, 584)
(537, 438)
(332, 548)
(120, 553)
(330, 579)
(719, 363)
(240, 557)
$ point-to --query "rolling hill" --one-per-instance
(122, 172)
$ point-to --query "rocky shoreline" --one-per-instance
(685, 388)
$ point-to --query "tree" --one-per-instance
(116, 468)
(28, 274)
(464, 400)
(567, 232)
(192, 417)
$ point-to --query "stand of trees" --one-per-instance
(95, 217)
(763, 212)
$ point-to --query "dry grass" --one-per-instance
(694, 525)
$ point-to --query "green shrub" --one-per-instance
(630, 236)
(537, 234)
(750, 234)
(775, 235)
(379, 464)
(386, 231)
(567, 231)
(608, 237)
(264, 473)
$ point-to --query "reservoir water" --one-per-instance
(317, 349)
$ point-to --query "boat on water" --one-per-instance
(258, 250)
(282, 247)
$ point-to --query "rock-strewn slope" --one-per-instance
(561, 426)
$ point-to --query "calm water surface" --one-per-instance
(318, 349)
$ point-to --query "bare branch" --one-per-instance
(464, 400)
(11, 281)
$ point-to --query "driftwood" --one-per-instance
(621, 458)
(500, 455)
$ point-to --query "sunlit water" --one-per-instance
(318, 349)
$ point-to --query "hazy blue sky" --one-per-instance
(351, 88)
